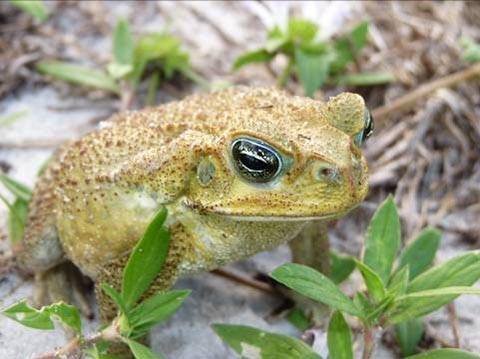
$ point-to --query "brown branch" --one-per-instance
(409, 99)
(234, 277)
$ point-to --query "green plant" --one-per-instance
(471, 50)
(161, 53)
(18, 209)
(35, 8)
(134, 319)
(314, 62)
(400, 288)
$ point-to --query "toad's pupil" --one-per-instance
(255, 161)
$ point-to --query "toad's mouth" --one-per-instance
(266, 217)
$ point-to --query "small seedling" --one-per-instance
(18, 209)
(400, 288)
(314, 62)
(160, 53)
(36, 8)
(471, 50)
(135, 318)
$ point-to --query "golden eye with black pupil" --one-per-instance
(256, 161)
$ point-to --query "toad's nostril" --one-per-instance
(327, 172)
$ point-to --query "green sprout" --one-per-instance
(160, 53)
(400, 289)
(135, 317)
(312, 61)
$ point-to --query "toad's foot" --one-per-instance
(62, 283)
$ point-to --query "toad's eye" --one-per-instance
(255, 161)
(367, 131)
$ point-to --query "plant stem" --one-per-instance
(368, 342)
(409, 99)
(283, 78)
(73, 347)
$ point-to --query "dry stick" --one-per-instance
(452, 316)
(244, 280)
(424, 90)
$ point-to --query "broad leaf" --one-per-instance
(417, 304)
(301, 30)
(341, 266)
(313, 284)
(140, 351)
(35, 8)
(339, 338)
(409, 334)
(28, 316)
(16, 188)
(78, 74)
(366, 79)
(260, 55)
(17, 217)
(249, 342)
(471, 50)
(446, 354)
(382, 239)
(463, 270)
(67, 314)
(312, 70)
(146, 259)
(298, 318)
(115, 296)
(420, 253)
(347, 47)
(374, 284)
(123, 46)
(155, 310)
(399, 282)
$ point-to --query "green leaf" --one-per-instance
(140, 351)
(146, 259)
(152, 89)
(249, 342)
(372, 280)
(24, 314)
(16, 188)
(17, 217)
(347, 47)
(67, 314)
(445, 354)
(115, 296)
(301, 30)
(366, 79)
(161, 48)
(123, 46)
(35, 8)
(417, 304)
(313, 284)
(399, 281)
(339, 338)
(260, 55)
(382, 239)
(361, 301)
(12, 117)
(78, 74)
(312, 70)
(420, 253)
(358, 36)
(463, 270)
(156, 309)
(298, 318)
(341, 267)
(471, 50)
(409, 334)
(117, 71)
